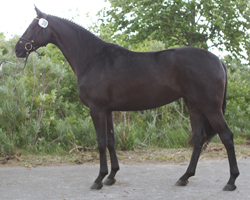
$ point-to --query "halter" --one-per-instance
(43, 23)
(29, 43)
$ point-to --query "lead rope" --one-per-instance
(25, 62)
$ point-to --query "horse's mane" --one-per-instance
(76, 25)
(68, 20)
(81, 28)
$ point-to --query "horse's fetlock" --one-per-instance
(103, 173)
(235, 174)
(190, 174)
(115, 169)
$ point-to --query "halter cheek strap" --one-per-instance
(43, 23)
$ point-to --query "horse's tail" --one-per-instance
(208, 129)
(225, 92)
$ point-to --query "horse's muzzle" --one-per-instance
(20, 51)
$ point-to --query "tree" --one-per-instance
(238, 97)
(202, 23)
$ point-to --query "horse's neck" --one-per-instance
(78, 46)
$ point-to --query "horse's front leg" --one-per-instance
(99, 118)
(111, 147)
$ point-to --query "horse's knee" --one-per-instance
(111, 145)
(102, 150)
(102, 147)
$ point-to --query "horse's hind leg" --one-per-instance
(219, 124)
(198, 129)
(111, 147)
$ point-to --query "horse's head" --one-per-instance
(36, 35)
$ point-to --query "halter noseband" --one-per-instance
(29, 44)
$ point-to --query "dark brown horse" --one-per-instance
(112, 78)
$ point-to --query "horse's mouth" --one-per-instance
(20, 53)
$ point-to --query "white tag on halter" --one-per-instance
(43, 22)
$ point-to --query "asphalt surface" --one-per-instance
(134, 182)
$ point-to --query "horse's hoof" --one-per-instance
(181, 183)
(109, 181)
(96, 186)
(229, 187)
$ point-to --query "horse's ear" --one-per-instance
(39, 13)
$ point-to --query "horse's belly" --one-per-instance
(144, 99)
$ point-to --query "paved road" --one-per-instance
(134, 182)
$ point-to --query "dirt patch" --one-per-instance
(213, 151)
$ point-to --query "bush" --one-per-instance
(40, 110)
